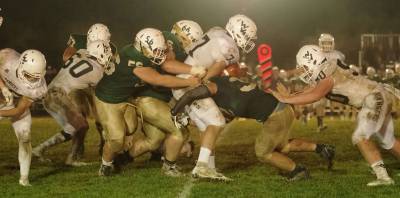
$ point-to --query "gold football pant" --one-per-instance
(275, 133)
(117, 120)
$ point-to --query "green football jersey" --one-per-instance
(123, 83)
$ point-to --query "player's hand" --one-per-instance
(278, 96)
(197, 71)
(282, 89)
(8, 96)
(194, 81)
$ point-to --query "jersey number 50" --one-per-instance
(79, 68)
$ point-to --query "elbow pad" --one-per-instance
(190, 96)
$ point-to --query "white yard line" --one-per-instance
(187, 189)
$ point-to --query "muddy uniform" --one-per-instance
(9, 61)
(215, 46)
(69, 97)
(374, 100)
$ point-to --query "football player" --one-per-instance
(23, 74)
(217, 49)
(76, 42)
(64, 101)
(246, 100)
(152, 102)
(115, 92)
(327, 43)
(372, 75)
(334, 80)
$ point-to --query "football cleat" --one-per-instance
(105, 170)
(381, 182)
(328, 153)
(171, 170)
(72, 161)
(202, 171)
(38, 152)
(24, 181)
(300, 174)
(122, 159)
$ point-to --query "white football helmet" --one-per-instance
(187, 32)
(151, 43)
(32, 67)
(312, 63)
(389, 73)
(326, 42)
(98, 31)
(370, 71)
(243, 30)
(101, 50)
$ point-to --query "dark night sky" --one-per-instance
(284, 24)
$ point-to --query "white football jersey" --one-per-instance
(78, 72)
(335, 55)
(9, 61)
(216, 45)
(350, 88)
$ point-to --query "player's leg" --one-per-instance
(22, 129)
(371, 120)
(320, 114)
(67, 115)
(111, 117)
(82, 99)
(208, 118)
(387, 139)
(271, 141)
(325, 151)
(158, 114)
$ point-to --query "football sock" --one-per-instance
(204, 155)
(106, 163)
(211, 162)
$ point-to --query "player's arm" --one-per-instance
(68, 52)
(176, 67)
(215, 70)
(317, 92)
(200, 92)
(151, 76)
(8, 96)
(23, 104)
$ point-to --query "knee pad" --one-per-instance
(116, 146)
(24, 136)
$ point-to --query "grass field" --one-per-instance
(235, 158)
